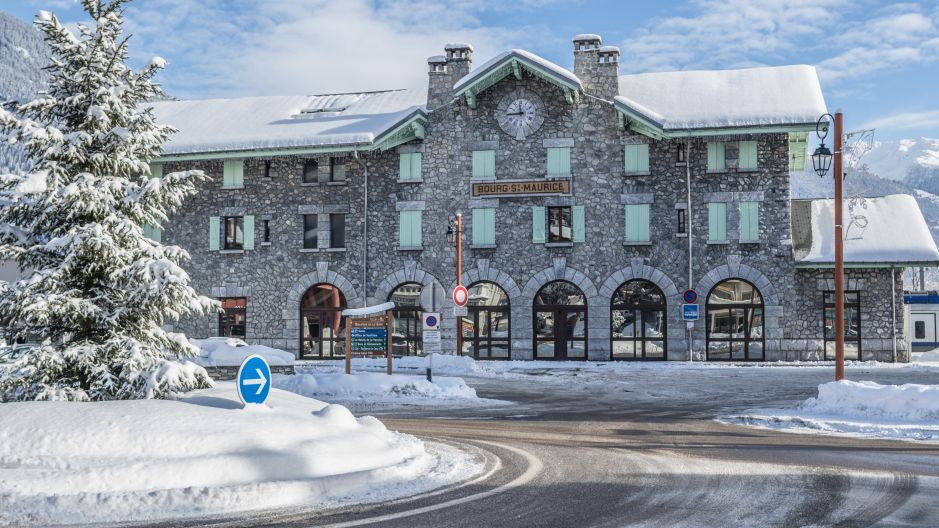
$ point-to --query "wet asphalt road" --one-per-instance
(641, 448)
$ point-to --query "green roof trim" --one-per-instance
(856, 265)
(513, 64)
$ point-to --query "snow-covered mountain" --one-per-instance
(898, 160)
(22, 57)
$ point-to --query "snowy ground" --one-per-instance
(77, 463)
(863, 409)
(231, 352)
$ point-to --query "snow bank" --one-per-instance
(374, 387)
(145, 460)
(925, 357)
(231, 352)
(858, 408)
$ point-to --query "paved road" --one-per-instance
(640, 448)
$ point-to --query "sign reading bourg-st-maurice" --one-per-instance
(521, 187)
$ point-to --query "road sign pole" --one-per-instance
(348, 345)
(459, 280)
(390, 322)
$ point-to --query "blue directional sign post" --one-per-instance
(689, 312)
(254, 380)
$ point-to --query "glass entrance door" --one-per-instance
(560, 321)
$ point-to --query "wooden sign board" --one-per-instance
(497, 188)
(370, 335)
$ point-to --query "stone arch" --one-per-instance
(291, 313)
(409, 273)
(739, 271)
(519, 310)
(638, 270)
(483, 272)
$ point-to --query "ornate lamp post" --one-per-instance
(821, 162)
(455, 234)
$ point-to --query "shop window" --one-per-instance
(486, 327)
(232, 322)
(407, 336)
(560, 322)
(852, 324)
(734, 319)
(322, 327)
(637, 319)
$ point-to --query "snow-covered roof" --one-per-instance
(883, 230)
(609, 49)
(458, 46)
(754, 97)
(276, 122)
(527, 59)
(586, 36)
(436, 58)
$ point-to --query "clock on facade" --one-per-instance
(520, 114)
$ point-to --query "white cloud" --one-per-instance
(906, 121)
(282, 47)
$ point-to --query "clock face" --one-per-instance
(520, 114)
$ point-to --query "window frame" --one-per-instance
(235, 245)
(642, 307)
(332, 230)
(225, 315)
(315, 230)
(682, 227)
(749, 307)
(314, 166)
(828, 302)
(550, 210)
(338, 170)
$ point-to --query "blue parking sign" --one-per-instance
(254, 380)
(689, 312)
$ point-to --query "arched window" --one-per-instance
(486, 327)
(407, 337)
(311, 169)
(560, 322)
(322, 332)
(734, 322)
(638, 322)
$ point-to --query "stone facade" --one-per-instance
(273, 276)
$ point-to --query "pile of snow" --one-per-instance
(231, 352)
(374, 387)
(859, 408)
(146, 460)
(925, 357)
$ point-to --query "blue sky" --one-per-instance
(879, 61)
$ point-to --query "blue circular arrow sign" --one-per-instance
(254, 380)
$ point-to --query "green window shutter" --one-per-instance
(215, 229)
(747, 156)
(484, 164)
(559, 161)
(637, 223)
(228, 174)
(417, 228)
(644, 158)
(409, 229)
(484, 226)
(156, 170)
(716, 156)
(798, 150)
(717, 221)
(749, 221)
(153, 233)
(416, 160)
(249, 232)
(233, 174)
(637, 159)
(404, 167)
(239, 166)
(577, 218)
(538, 225)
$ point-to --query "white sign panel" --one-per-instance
(431, 341)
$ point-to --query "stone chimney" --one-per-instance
(445, 71)
(597, 66)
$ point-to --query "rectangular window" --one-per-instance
(409, 229)
(484, 164)
(681, 153)
(637, 223)
(484, 227)
(266, 231)
(637, 159)
(716, 156)
(798, 150)
(311, 171)
(747, 156)
(852, 324)
(232, 322)
(337, 230)
(337, 170)
(234, 232)
(311, 227)
(919, 330)
(682, 222)
(749, 221)
(717, 222)
(560, 224)
(410, 167)
(559, 161)
(233, 174)
(267, 169)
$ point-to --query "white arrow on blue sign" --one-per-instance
(254, 380)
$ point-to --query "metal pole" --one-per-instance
(348, 345)
(839, 252)
(690, 238)
(893, 309)
(389, 324)
(459, 279)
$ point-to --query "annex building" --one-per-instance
(590, 201)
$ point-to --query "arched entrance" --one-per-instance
(637, 321)
(486, 327)
(560, 322)
(734, 316)
(407, 337)
(322, 332)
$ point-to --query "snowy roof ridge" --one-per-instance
(586, 36)
(524, 56)
(870, 232)
(703, 99)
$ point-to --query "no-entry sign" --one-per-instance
(460, 295)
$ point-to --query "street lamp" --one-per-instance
(455, 234)
(821, 162)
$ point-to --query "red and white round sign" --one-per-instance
(460, 295)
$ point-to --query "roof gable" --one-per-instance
(512, 62)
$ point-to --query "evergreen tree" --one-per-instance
(98, 291)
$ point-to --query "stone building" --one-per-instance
(590, 201)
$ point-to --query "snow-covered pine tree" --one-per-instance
(98, 291)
